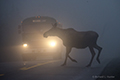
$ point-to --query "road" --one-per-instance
(48, 69)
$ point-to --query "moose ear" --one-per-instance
(54, 25)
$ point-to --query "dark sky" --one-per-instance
(102, 16)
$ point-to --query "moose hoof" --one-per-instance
(98, 61)
(63, 64)
(74, 61)
(88, 65)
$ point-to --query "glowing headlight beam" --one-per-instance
(52, 43)
(24, 45)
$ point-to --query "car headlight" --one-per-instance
(52, 43)
(25, 45)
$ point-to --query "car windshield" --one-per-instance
(36, 28)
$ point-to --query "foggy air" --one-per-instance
(101, 16)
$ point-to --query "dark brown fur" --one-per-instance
(72, 38)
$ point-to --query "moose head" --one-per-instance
(52, 31)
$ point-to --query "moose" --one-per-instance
(72, 38)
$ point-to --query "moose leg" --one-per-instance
(72, 59)
(68, 49)
(99, 51)
(93, 54)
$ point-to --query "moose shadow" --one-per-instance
(72, 38)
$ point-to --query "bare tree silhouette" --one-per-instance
(72, 38)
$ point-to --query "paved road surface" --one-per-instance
(48, 70)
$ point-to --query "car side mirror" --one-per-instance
(19, 29)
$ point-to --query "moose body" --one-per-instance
(72, 38)
(77, 39)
